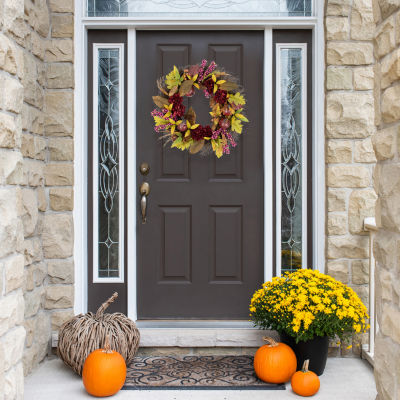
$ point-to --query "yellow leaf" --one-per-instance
(217, 109)
(219, 151)
(195, 77)
(187, 144)
(196, 85)
(194, 126)
(187, 133)
(160, 121)
(177, 142)
(207, 138)
(236, 125)
(242, 117)
(237, 99)
(173, 129)
(214, 78)
(215, 88)
(188, 124)
(220, 82)
(171, 121)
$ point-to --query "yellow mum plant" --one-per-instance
(307, 303)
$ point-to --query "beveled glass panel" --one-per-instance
(291, 89)
(208, 8)
(108, 162)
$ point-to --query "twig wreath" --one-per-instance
(180, 127)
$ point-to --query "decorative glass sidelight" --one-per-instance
(291, 149)
(108, 254)
(137, 8)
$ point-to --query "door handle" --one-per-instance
(144, 191)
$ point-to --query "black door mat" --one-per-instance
(195, 372)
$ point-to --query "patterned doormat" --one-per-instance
(194, 372)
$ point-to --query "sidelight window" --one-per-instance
(108, 163)
(291, 154)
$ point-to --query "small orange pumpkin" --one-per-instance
(104, 372)
(305, 383)
(274, 362)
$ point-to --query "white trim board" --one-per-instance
(132, 24)
(80, 164)
(131, 171)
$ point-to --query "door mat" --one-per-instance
(194, 372)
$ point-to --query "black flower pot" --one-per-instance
(315, 350)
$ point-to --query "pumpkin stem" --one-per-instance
(270, 341)
(107, 346)
(305, 365)
(105, 305)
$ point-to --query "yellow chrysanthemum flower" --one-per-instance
(306, 303)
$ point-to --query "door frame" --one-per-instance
(82, 24)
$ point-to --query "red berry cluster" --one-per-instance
(178, 109)
(221, 96)
(209, 84)
(201, 132)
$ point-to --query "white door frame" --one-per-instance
(82, 24)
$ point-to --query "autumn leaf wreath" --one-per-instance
(179, 126)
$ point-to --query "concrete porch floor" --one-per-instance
(344, 379)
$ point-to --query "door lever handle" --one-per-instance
(144, 191)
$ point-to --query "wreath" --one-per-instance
(179, 126)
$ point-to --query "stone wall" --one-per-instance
(350, 158)
(36, 178)
(387, 184)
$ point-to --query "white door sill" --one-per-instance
(200, 334)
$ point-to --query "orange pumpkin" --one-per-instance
(305, 383)
(104, 372)
(274, 362)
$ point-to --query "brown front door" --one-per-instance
(200, 253)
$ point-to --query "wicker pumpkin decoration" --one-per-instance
(104, 372)
(304, 382)
(85, 333)
(274, 362)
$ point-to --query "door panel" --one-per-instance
(200, 254)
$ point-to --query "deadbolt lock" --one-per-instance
(144, 168)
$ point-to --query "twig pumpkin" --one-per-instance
(85, 333)
(304, 382)
(274, 362)
(104, 372)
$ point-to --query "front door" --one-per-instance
(200, 252)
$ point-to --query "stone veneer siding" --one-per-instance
(387, 184)
(350, 158)
(36, 180)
